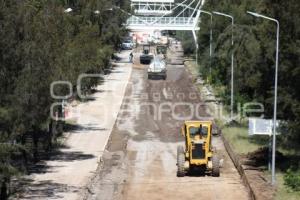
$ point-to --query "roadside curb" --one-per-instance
(236, 161)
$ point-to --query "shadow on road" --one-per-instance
(61, 155)
(28, 189)
(42, 190)
(75, 128)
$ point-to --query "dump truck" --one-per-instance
(146, 57)
(197, 154)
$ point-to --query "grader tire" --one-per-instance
(180, 162)
(215, 166)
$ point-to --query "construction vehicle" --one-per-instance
(161, 49)
(198, 153)
(146, 57)
(127, 45)
(157, 68)
(164, 40)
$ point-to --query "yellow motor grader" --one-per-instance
(197, 154)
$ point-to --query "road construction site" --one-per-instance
(124, 140)
(140, 158)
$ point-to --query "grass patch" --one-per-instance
(243, 144)
(240, 141)
(283, 192)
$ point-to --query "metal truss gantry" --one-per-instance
(152, 7)
(165, 15)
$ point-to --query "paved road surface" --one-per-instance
(69, 172)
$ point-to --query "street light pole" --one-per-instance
(232, 62)
(210, 40)
(211, 34)
(275, 92)
(197, 46)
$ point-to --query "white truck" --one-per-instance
(127, 45)
(157, 68)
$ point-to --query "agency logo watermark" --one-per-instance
(179, 106)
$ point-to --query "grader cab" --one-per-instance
(197, 154)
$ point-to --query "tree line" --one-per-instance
(254, 51)
(42, 42)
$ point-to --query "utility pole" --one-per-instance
(275, 91)
(232, 62)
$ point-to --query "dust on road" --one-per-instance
(140, 162)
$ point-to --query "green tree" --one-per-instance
(39, 44)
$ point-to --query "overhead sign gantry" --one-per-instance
(159, 15)
(152, 7)
(165, 15)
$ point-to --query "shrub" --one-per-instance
(292, 179)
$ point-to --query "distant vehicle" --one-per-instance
(157, 68)
(127, 45)
(161, 49)
(174, 42)
(146, 57)
(164, 40)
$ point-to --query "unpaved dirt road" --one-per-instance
(140, 162)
